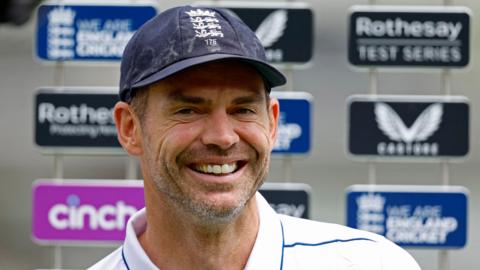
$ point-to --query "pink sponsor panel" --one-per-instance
(84, 210)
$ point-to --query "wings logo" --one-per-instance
(272, 27)
(423, 127)
(408, 139)
(270, 31)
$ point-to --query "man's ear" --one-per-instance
(273, 112)
(128, 128)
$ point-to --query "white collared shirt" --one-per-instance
(284, 242)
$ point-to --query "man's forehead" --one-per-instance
(207, 95)
(222, 69)
(228, 75)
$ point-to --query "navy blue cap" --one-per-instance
(186, 36)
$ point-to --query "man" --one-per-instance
(195, 109)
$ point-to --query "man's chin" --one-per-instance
(217, 211)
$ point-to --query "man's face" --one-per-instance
(207, 136)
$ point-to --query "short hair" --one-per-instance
(139, 101)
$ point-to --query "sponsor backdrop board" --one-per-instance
(411, 216)
(79, 120)
(292, 199)
(414, 127)
(284, 29)
(294, 125)
(96, 211)
(409, 36)
(73, 31)
(84, 210)
(76, 119)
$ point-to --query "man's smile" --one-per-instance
(217, 168)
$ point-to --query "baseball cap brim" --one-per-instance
(271, 75)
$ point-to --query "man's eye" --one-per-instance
(245, 111)
(185, 111)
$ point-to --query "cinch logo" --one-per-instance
(74, 216)
(408, 140)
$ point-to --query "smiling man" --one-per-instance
(195, 109)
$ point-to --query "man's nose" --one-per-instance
(220, 130)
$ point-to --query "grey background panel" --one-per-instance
(327, 170)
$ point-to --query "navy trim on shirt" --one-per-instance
(288, 246)
(125, 260)
(327, 242)
(314, 244)
(283, 245)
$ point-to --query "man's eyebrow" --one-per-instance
(255, 98)
(177, 96)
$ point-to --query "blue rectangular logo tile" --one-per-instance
(411, 216)
(294, 125)
(87, 32)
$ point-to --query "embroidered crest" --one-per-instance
(205, 24)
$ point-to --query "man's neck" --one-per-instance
(172, 241)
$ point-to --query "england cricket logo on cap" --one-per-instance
(206, 26)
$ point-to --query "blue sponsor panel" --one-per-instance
(294, 125)
(411, 216)
(87, 32)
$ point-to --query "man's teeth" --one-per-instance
(217, 169)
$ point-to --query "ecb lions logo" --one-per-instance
(408, 139)
(61, 33)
